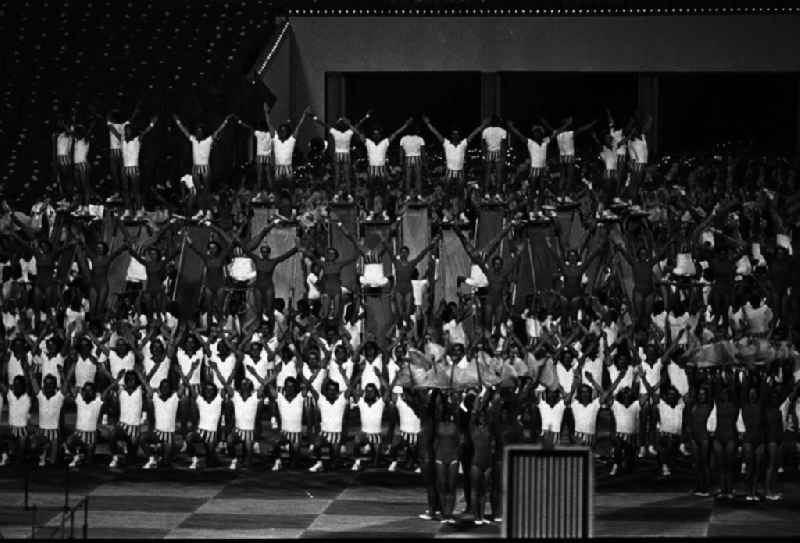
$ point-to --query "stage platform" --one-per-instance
(217, 503)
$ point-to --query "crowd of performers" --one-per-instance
(695, 359)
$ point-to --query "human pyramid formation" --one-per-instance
(691, 352)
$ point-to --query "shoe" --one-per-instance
(277, 465)
(151, 463)
(356, 465)
(194, 463)
(426, 515)
(477, 522)
(665, 471)
(498, 519)
(652, 451)
(4, 460)
(683, 450)
(642, 452)
(184, 446)
(256, 448)
(114, 462)
(614, 470)
(418, 470)
(393, 466)
(140, 213)
(451, 520)
(232, 467)
(752, 498)
(316, 468)
(75, 461)
(780, 469)
(701, 493)
(42, 463)
(774, 497)
(114, 198)
(744, 468)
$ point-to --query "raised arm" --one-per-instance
(220, 128)
(266, 117)
(513, 129)
(400, 130)
(474, 134)
(296, 132)
(583, 128)
(149, 126)
(433, 130)
(181, 127)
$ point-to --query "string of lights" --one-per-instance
(578, 12)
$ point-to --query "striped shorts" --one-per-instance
(283, 170)
(494, 156)
(87, 438)
(82, 168)
(50, 434)
(245, 435)
(638, 166)
(454, 174)
(333, 438)
(208, 437)
(200, 170)
(536, 173)
(342, 157)
(115, 153)
(374, 439)
(567, 159)
(264, 159)
(165, 437)
(64, 161)
(376, 172)
(413, 160)
(130, 171)
(292, 437)
(610, 174)
(130, 430)
(19, 432)
(409, 438)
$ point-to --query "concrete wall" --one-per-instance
(740, 43)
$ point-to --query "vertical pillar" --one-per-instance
(490, 94)
(335, 96)
(797, 115)
(649, 104)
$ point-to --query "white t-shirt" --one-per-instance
(494, 137)
(376, 152)
(63, 144)
(50, 365)
(670, 419)
(626, 418)
(263, 143)
(117, 363)
(341, 140)
(201, 150)
(130, 152)
(185, 363)
(538, 152)
(130, 406)
(454, 155)
(566, 143)
(291, 413)
(19, 409)
(162, 372)
(412, 145)
(284, 150)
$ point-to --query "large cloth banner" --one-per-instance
(378, 318)
(454, 262)
(347, 214)
(416, 233)
(191, 273)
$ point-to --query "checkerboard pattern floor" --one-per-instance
(261, 504)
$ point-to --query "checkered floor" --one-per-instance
(259, 504)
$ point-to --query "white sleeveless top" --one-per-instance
(185, 362)
(566, 143)
(538, 152)
(638, 150)
(626, 418)
(117, 362)
(85, 372)
(86, 420)
(551, 415)
(291, 413)
(244, 411)
(284, 151)
(412, 145)
(114, 141)
(371, 416)
(201, 150)
(454, 155)
(165, 412)
(63, 144)
(161, 373)
(261, 366)
(263, 143)
(585, 416)
(80, 151)
(493, 136)
(14, 367)
(130, 406)
(19, 409)
(50, 410)
(376, 152)
(130, 152)
(331, 414)
(225, 367)
(210, 413)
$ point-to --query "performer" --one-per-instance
(263, 134)
(342, 134)
(130, 144)
(455, 149)
(494, 138)
(412, 146)
(377, 146)
(283, 146)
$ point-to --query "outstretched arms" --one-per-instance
(432, 128)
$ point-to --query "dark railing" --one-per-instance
(67, 512)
